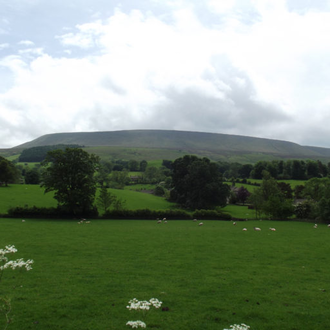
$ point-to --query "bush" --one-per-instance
(146, 214)
(211, 215)
(46, 212)
(159, 191)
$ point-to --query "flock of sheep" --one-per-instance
(82, 221)
(234, 223)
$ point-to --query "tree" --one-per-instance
(70, 174)
(32, 176)
(242, 194)
(197, 183)
(133, 165)
(270, 200)
(118, 179)
(8, 171)
(143, 165)
(105, 199)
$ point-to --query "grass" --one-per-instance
(209, 277)
(239, 211)
(21, 195)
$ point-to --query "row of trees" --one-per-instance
(278, 169)
(194, 183)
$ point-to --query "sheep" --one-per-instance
(195, 220)
(257, 228)
(200, 224)
(234, 223)
(159, 221)
(315, 226)
(244, 229)
(23, 220)
(164, 219)
(329, 225)
(272, 229)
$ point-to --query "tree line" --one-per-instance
(193, 183)
(291, 169)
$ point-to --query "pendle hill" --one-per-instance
(171, 144)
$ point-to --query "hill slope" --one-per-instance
(213, 145)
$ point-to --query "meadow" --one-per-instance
(208, 277)
(30, 195)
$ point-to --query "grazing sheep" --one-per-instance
(315, 226)
(200, 224)
(234, 223)
(164, 219)
(159, 221)
(329, 225)
(257, 228)
(195, 220)
(23, 220)
(272, 229)
(244, 229)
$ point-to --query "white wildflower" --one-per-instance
(136, 324)
(239, 327)
(155, 302)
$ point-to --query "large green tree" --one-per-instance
(70, 174)
(270, 200)
(197, 183)
(8, 171)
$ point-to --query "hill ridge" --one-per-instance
(186, 141)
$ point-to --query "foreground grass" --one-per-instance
(208, 276)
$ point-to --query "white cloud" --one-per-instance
(260, 72)
(27, 43)
(3, 46)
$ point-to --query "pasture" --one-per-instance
(30, 195)
(208, 277)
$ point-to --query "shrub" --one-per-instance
(211, 215)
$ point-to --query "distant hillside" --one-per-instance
(175, 143)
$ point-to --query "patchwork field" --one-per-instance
(208, 277)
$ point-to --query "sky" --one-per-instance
(257, 68)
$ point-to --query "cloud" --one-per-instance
(258, 68)
(27, 43)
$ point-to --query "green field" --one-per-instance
(30, 195)
(208, 277)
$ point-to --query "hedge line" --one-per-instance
(142, 214)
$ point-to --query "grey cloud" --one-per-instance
(107, 83)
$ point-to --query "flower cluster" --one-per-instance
(136, 324)
(144, 307)
(13, 264)
(239, 327)
(143, 304)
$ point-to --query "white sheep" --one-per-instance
(195, 220)
(315, 226)
(257, 228)
(23, 220)
(244, 229)
(159, 221)
(234, 223)
(200, 224)
(272, 229)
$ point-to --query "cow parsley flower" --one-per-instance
(144, 307)
(239, 327)
(136, 324)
